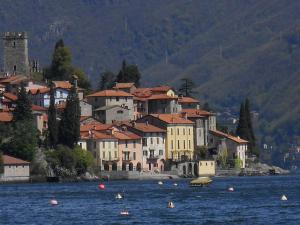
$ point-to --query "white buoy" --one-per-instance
(171, 205)
(53, 202)
(230, 189)
(160, 183)
(283, 198)
(119, 196)
(175, 184)
(124, 213)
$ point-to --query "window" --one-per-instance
(157, 140)
(161, 152)
(109, 98)
(95, 144)
(178, 144)
(103, 144)
(144, 141)
(96, 99)
(117, 99)
(116, 154)
(151, 153)
(134, 144)
(172, 144)
(189, 131)
(14, 44)
(183, 131)
(145, 153)
(103, 154)
(109, 155)
(126, 144)
(151, 141)
(183, 144)
(15, 68)
(80, 144)
(61, 94)
(134, 155)
(177, 131)
(115, 144)
(126, 99)
(171, 131)
(119, 112)
(189, 144)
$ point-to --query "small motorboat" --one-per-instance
(171, 205)
(231, 189)
(160, 183)
(119, 196)
(200, 181)
(53, 202)
(124, 213)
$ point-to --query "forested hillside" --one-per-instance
(232, 49)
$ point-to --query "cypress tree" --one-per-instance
(252, 144)
(129, 73)
(52, 122)
(69, 128)
(107, 80)
(22, 111)
(242, 128)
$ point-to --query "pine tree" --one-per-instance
(107, 80)
(69, 128)
(129, 73)
(187, 86)
(22, 110)
(52, 122)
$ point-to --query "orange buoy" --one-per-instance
(101, 186)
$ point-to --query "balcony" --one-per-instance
(127, 159)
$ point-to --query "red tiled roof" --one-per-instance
(145, 127)
(164, 88)
(123, 85)
(96, 135)
(62, 84)
(38, 108)
(96, 127)
(6, 117)
(125, 135)
(161, 96)
(10, 96)
(9, 160)
(16, 79)
(233, 138)
(197, 112)
(172, 118)
(142, 92)
(111, 93)
(187, 100)
(38, 91)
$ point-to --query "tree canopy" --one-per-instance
(22, 110)
(107, 80)
(52, 122)
(186, 87)
(129, 73)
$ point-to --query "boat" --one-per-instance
(200, 181)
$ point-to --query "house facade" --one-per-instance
(15, 169)
(111, 114)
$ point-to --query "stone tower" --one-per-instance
(15, 47)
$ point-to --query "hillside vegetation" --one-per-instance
(232, 49)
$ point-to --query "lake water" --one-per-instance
(256, 200)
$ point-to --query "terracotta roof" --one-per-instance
(126, 135)
(123, 85)
(36, 91)
(142, 92)
(111, 93)
(62, 84)
(164, 88)
(96, 127)
(96, 135)
(14, 79)
(10, 96)
(197, 112)
(38, 108)
(6, 117)
(145, 127)
(172, 118)
(9, 160)
(161, 96)
(187, 100)
(233, 138)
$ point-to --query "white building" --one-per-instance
(15, 169)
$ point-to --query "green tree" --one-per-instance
(1, 163)
(129, 73)
(242, 129)
(252, 139)
(187, 87)
(22, 110)
(223, 158)
(107, 80)
(84, 160)
(61, 67)
(69, 128)
(52, 122)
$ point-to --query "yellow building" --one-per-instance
(207, 168)
(179, 144)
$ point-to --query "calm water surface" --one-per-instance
(256, 200)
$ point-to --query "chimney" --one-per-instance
(75, 79)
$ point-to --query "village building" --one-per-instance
(112, 98)
(12, 83)
(179, 144)
(112, 113)
(203, 122)
(86, 109)
(40, 117)
(188, 102)
(235, 146)
(15, 169)
(153, 145)
(127, 87)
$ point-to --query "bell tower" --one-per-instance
(15, 47)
